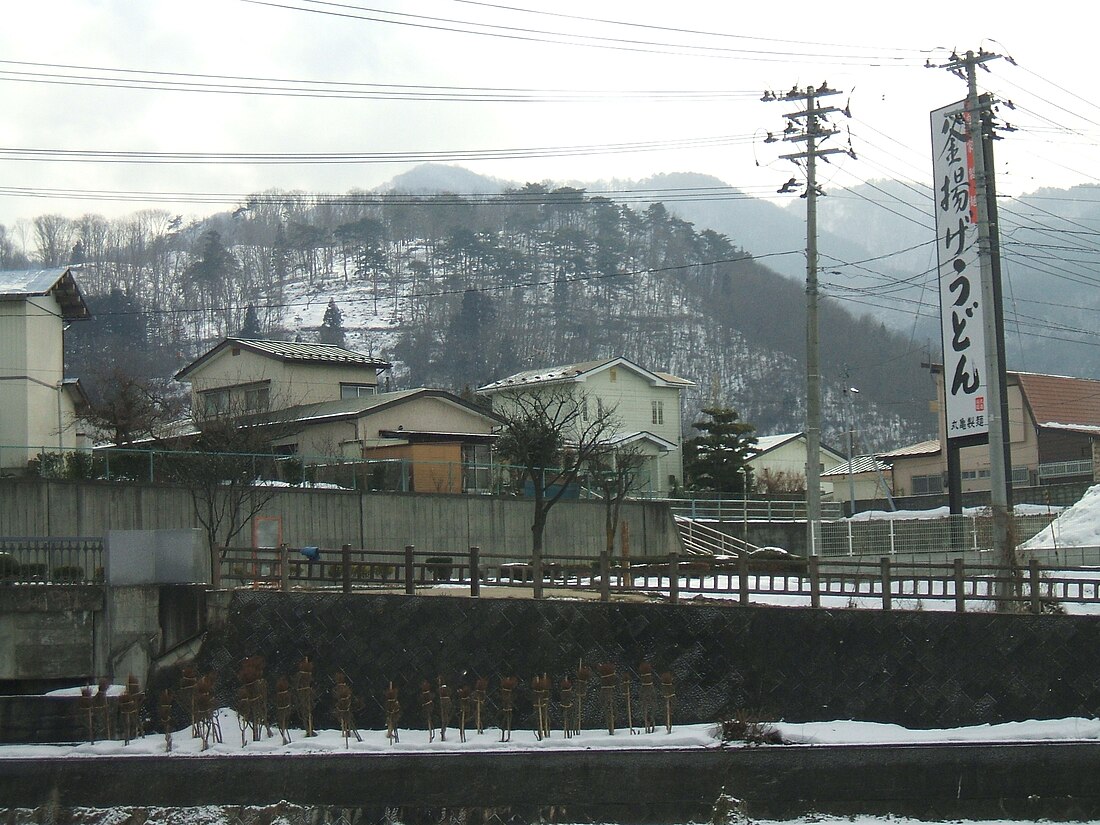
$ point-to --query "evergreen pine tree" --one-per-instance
(251, 326)
(332, 325)
(714, 460)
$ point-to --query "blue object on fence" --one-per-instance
(311, 553)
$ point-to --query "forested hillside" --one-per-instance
(458, 291)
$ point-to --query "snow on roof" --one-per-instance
(764, 443)
(1068, 401)
(640, 435)
(767, 443)
(1076, 428)
(20, 284)
(572, 372)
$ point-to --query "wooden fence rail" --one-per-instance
(885, 583)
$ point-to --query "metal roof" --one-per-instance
(860, 464)
(21, 284)
(922, 448)
(295, 351)
(356, 407)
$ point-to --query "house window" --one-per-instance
(658, 411)
(923, 485)
(257, 399)
(357, 390)
(215, 402)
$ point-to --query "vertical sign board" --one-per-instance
(965, 388)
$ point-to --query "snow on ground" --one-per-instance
(374, 741)
(681, 737)
(370, 320)
(1079, 526)
(944, 512)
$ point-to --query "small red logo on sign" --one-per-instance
(979, 403)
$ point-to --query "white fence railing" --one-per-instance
(747, 509)
(892, 537)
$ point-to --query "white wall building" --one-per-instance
(37, 403)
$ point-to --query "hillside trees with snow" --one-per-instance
(458, 291)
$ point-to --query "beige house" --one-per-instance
(433, 440)
(865, 478)
(786, 454)
(1054, 436)
(37, 403)
(242, 375)
(646, 404)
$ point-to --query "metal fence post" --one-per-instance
(1033, 575)
(345, 566)
(815, 581)
(475, 571)
(893, 547)
(410, 581)
(743, 578)
(960, 587)
(674, 577)
(284, 567)
(605, 576)
(887, 586)
(151, 453)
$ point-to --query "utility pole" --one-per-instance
(978, 118)
(810, 125)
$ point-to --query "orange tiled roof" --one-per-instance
(1056, 399)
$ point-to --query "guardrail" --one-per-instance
(74, 560)
(885, 583)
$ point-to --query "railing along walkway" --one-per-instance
(887, 583)
(702, 539)
(74, 560)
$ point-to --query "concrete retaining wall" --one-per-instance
(331, 518)
(1031, 781)
(64, 635)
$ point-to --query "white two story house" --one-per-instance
(647, 406)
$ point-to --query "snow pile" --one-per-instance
(1079, 526)
(944, 512)
(876, 733)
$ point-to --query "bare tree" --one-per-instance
(551, 434)
(617, 472)
(124, 407)
(227, 465)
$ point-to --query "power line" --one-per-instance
(309, 158)
(526, 34)
(144, 79)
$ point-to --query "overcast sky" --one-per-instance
(714, 123)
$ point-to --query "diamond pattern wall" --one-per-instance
(919, 669)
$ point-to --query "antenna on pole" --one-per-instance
(810, 125)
